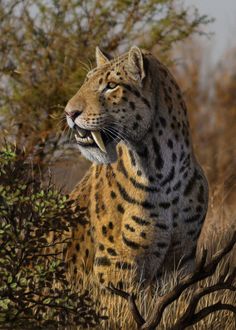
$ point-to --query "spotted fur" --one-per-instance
(146, 199)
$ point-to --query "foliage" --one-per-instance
(46, 46)
(34, 291)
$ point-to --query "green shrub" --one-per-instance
(34, 291)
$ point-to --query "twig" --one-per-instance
(190, 317)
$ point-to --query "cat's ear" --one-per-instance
(136, 64)
(101, 58)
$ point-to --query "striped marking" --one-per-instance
(159, 162)
(190, 185)
(194, 218)
(161, 226)
(132, 200)
(121, 168)
(133, 245)
(140, 221)
(169, 177)
(112, 252)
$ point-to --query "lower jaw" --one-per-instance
(95, 155)
(92, 145)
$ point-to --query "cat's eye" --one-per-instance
(111, 85)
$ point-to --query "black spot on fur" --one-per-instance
(162, 245)
(175, 200)
(161, 226)
(170, 144)
(128, 227)
(101, 279)
(111, 239)
(157, 254)
(132, 105)
(187, 209)
(177, 186)
(104, 230)
(164, 205)
(113, 194)
(200, 196)
(143, 235)
(123, 265)
(199, 209)
(159, 160)
(168, 190)
(143, 153)
(191, 232)
(145, 101)
(112, 252)
(162, 121)
(120, 209)
(102, 261)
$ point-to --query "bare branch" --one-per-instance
(190, 317)
(202, 271)
(203, 313)
(132, 304)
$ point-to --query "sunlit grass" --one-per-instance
(119, 315)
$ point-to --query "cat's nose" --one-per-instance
(73, 114)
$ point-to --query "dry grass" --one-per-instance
(118, 311)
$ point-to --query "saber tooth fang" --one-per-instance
(98, 140)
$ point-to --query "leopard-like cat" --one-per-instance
(145, 195)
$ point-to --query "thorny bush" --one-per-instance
(34, 291)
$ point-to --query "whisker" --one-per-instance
(118, 126)
(111, 134)
(118, 134)
(85, 66)
(112, 137)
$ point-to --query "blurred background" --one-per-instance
(47, 47)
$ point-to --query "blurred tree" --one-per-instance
(224, 105)
(47, 46)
